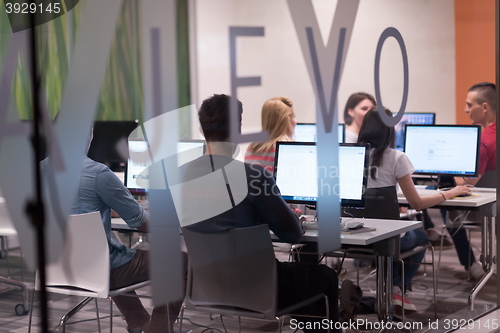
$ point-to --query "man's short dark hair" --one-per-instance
(214, 117)
(486, 93)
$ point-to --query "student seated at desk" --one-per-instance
(389, 167)
(481, 107)
(252, 204)
(101, 190)
(278, 118)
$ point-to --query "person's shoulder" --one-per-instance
(255, 170)
(350, 136)
(90, 164)
(397, 153)
(490, 132)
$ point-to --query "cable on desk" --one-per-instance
(347, 213)
(436, 180)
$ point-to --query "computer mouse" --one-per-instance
(355, 225)
(465, 195)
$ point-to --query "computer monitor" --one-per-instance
(189, 150)
(306, 132)
(413, 118)
(296, 172)
(443, 150)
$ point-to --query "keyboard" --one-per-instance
(310, 225)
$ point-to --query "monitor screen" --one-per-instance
(306, 132)
(413, 118)
(443, 149)
(296, 172)
(190, 150)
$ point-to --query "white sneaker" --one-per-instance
(476, 271)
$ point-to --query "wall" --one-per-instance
(427, 27)
(475, 48)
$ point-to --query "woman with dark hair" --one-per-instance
(355, 109)
(389, 167)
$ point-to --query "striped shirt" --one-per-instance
(264, 158)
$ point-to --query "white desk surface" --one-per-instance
(385, 229)
(118, 223)
(480, 197)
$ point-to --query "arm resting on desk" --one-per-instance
(418, 202)
(467, 180)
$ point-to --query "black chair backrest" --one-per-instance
(232, 269)
(380, 203)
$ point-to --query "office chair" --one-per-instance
(7, 230)
(382, 203)
(83, 267)
(234, 273)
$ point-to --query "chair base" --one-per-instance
(22, 308)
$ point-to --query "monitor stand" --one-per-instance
(443, 182)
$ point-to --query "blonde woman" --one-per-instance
(278, 118)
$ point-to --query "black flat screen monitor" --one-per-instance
(296, 172)
(451, 150)
(412, 118)
(134, 169)
(306, 132)
(106, 136)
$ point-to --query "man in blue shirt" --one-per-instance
(101, 190)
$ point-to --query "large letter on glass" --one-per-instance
(387, 119)
(69, 139)
(234, 119)
(159, 77)
(325, 65)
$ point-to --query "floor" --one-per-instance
(452, 302)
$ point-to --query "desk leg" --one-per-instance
(385, 252)
(385, 308)
(488, 256)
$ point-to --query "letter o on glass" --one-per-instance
(388, 120)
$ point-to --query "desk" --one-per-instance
(484, 201)
(384, 241)
(119, 225)
(484, 197)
